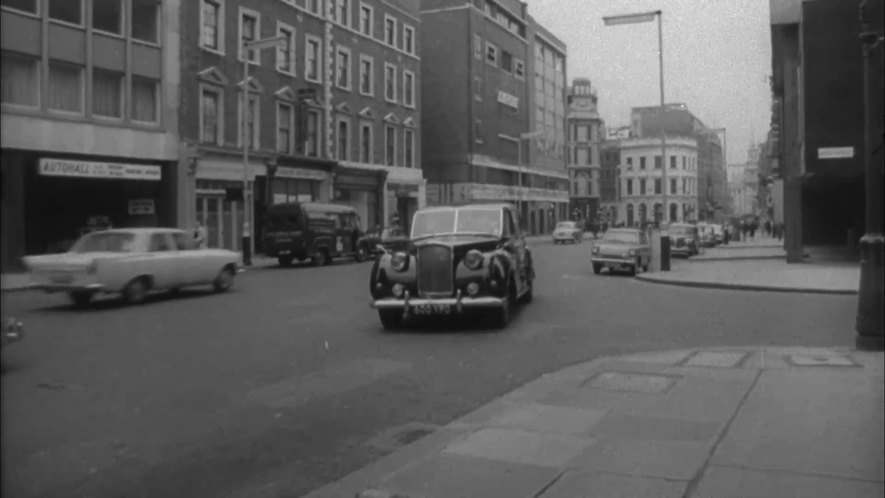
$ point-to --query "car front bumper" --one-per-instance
(68, 287)
(612, 261)
(458, 303)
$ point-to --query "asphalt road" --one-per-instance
(285, 383)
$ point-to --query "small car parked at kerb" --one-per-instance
(622, 249)
(458, 259)
(568, 231)
(684, 240)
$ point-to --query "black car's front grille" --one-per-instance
(435, 271)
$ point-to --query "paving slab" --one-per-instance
(662, 459)
(725, 482)
(452, 476)
(549, 419)
(793, 414)
(719, 359)
(519, 446)
(589, 484)
(632, 382)
(624, 426)
(658, 357)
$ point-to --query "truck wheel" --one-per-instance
(597, 268)
(634, 268)
(285, 260)
(327, 257)
(362, 252)
(390, 319)
(81, 299)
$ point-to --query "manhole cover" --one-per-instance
(633, 382)
(801, 360)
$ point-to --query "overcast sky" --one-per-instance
(717, 58)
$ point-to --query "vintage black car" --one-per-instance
(378, 240)
(458, 259)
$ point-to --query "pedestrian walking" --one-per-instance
(201, 236)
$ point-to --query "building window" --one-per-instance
(212, 22)
(211, 113)
(107, 94)
(21, 81)
(342, 68)
(313, 133)
(250, 29)
(491, 54)
(390, 82)
(642, 186)
(366, 143)
(408, 89)
(145, 20)
(657, 162)
(367, 71)
(286, 53)
(683, 162)
(312, 55)
(672, 162)
(478, 88)
(519, 69)
(507, 61)
(580, 156)
(673, 186)
(314, 6)
(343, 152)
(367, 20)
(65, 87)
(285, 127)
(409, 39)
(409, 146)
(69, 11)
(390, 145)
(27, 6)
(629, 164)
(145, 101)
(642, 162)
(477, 46)
(253, 121)
(107, 16)
(630, 186)
(343, 12)
(390, 31)
(657, 185)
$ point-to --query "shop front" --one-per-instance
(50, 200)
(405, 194)
(362, 189)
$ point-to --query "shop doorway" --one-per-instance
(222, 221)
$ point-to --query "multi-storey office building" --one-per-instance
(89, 125)
(491, 76)
(642, 183)
(609, 180)
(585, 128)
(333, 112)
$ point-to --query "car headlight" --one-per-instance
(399, 261)
(631, 253)
(473, 259)
(595, 250)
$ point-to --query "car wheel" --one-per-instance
(501, 316)
(361, 253)
(316, 259)
(81, 299)
(327, 258)
(634, 268)
(597, 268)
(136, 291)
(390, 319)
(224, 281)
(530, 291)
(285, 260)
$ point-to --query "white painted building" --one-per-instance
(642, 179)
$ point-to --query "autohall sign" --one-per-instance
(508, 100)
(92, 169)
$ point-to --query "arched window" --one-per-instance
(674, 212)
(630, 218)
(643, 213)
(583, 185)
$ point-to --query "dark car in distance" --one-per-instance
(684, 240)
(318, 231)
(458, 259)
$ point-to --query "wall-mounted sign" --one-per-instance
(91, 169)
(835, 152)
(302, 173)
(141, 206)
(508, 100)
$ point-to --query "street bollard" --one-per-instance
(665, 251)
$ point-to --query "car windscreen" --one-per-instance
(485, 221)
(680, 230)
(105, 242)
(626, 237)
(565, 225)
(433, 222)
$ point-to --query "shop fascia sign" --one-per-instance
(304, 174)
(103, 170)
(835, 152)
(508, 100)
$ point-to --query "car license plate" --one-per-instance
(285, 251)
(61, 278)
(433, 309)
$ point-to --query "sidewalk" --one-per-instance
(713, 423)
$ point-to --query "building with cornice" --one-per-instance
(493, 109)
(586, 130)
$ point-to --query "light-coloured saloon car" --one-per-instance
(568, 231)
(132, 262)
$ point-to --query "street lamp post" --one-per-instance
(869, 324)
(640, 18)
(523, 136)
(246, 137)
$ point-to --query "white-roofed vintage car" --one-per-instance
(132, 262)
(568, 231)
(458, 259)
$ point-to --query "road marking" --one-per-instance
(329, 381)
